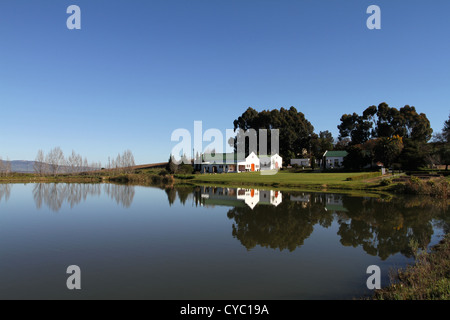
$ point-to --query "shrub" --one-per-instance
(437, 187)
(163, 172)
(185, 169)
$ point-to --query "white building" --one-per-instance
(227, 163)
(274, 162)
(334, 159)
(301, 162)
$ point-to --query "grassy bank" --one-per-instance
(427, 279)
(288, 180)
(370, 182)
(33, 178)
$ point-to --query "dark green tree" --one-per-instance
(446, 130)
(384, 121)
(171, 167)
(295, 131)
(321, 143)
(387, 150)
(356, 159)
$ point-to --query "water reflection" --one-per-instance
(53, 195)
(212, 196)
(380, 227)
(5, 191)
(284, 220)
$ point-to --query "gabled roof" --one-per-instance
(335, 154)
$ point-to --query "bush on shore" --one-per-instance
(439, 187)
(427, 279)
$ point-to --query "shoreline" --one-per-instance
(354, 183)
(369, 184)
(427, 278)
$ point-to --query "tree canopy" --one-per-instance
(295, 130)
(384, 121)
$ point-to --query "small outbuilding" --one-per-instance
(334, 159)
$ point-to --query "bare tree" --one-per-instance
(2, 167)
(128, 161)
(39, 163)
(5, 167)
(71, 162)
(55, 160)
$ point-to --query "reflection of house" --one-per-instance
(334, 159)
(270, 197)
(250, 196)
(301, 162)
(335, 202)
(228, 162)
(239, 197)
(301, 197)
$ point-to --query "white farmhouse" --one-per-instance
(225, 163)
(334, 159)
(274, 162)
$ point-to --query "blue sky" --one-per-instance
(137, 70)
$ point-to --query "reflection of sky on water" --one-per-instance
(174, 244)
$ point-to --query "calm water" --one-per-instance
(203, 243)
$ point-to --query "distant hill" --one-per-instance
(22, 166)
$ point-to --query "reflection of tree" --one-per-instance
(123, 194)
(380, 227)
(5, 191)
(183, 194)
(171, 195)
(384, 228)
(282, 227)
(53, 195)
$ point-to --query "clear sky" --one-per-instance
(137, 70)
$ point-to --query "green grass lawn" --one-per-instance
(286, 179)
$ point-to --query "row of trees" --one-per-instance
(54, 163)
(380, 134)
(5, 167)
(123, 163)
(394, 137)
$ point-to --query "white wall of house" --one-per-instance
(251, 163)
(218, 168)
(334, 162)
(272, 162)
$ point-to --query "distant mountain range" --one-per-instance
(21, 166)
(24, 166)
